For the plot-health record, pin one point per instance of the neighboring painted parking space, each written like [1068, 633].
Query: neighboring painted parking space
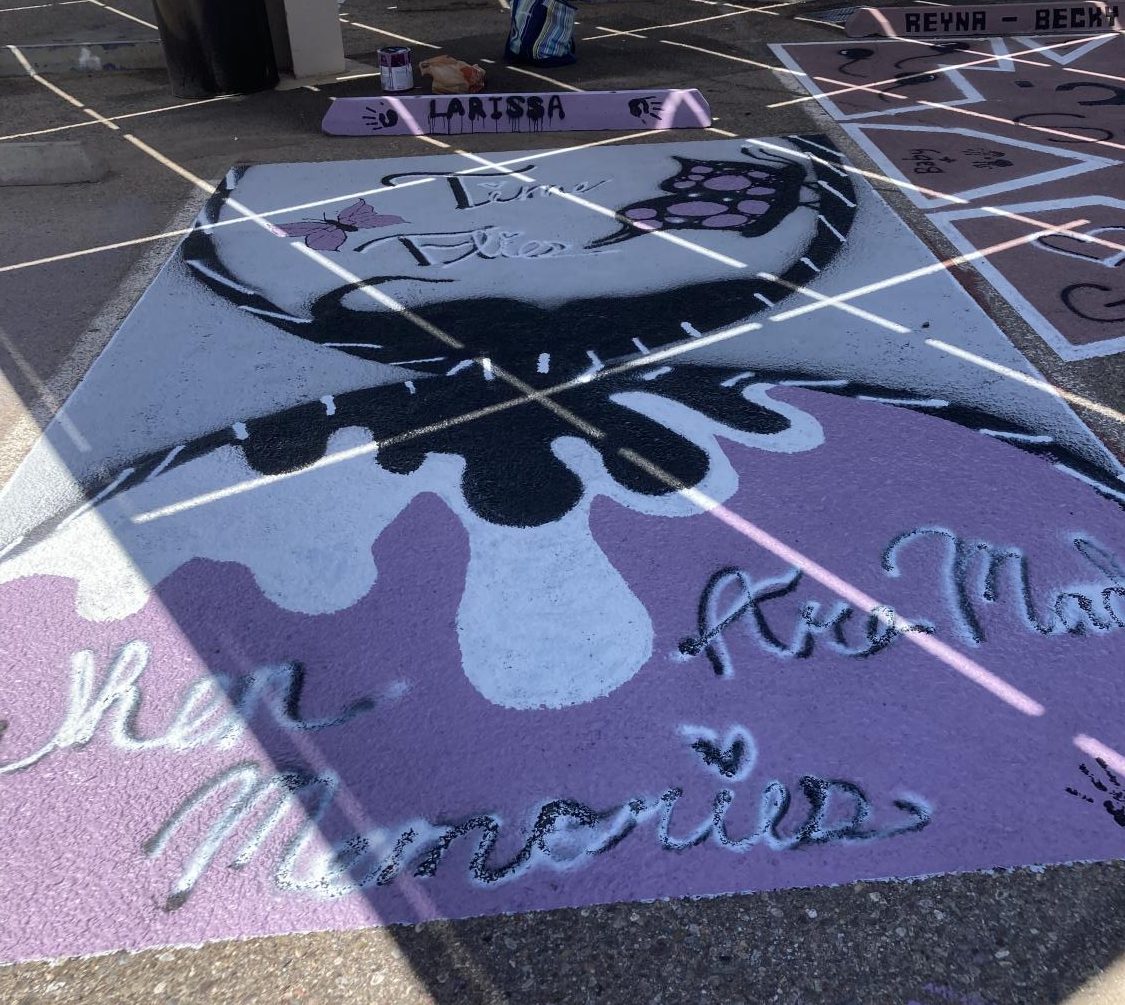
[1034, 126]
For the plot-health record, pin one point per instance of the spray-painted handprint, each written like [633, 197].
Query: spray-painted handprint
[1115, 802]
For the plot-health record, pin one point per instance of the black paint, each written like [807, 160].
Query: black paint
[422, 846]
[784, 178]
[1106, 134]
[856, 54]
[727, 762]
[1079, 299]
[491, 109]
[511, 475]
[753, 594]
[974, 571]
[1114, 803]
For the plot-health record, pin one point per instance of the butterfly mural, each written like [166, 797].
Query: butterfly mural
[511, 480]
[750, 198]
[330, 235]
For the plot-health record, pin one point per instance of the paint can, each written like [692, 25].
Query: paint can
[396, 73]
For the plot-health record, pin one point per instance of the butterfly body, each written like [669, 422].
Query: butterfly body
[330, 235]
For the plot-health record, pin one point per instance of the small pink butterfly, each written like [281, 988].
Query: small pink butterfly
[329, 235]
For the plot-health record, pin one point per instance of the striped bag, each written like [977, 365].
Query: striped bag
[542, 33]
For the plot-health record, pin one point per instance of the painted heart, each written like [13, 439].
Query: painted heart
[733, 757]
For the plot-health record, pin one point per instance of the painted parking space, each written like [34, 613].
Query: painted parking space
[977, 129]
[441, 538]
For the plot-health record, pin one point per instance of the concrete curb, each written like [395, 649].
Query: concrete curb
[82, 57]
[52, 163]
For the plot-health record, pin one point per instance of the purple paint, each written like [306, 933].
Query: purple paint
[725, 220]
[699, 208]
[896, 723]
[753, 206]
[496, 655]
[525, 112]
[329, 235]
[726, 183]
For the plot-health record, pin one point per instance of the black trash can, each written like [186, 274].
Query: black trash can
[216, 46]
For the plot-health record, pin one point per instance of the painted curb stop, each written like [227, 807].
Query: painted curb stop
[527, 112]
[82, 57]
[987, 19]
[48, 163]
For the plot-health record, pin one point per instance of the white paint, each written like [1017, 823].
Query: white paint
[736, 734]
[826, 90]
[737, 378]
[1001, 434]
[839, 303]
[1112, 493]
[916, 291]
[529, 629]
[1064, 56]
[546, 620]
[595, 365]
[90, 504]
[211, 367]
[803, 142]
[218, 277]
[1073, 162]
[310, 554]
[907, 402]
[623, 175]
[825, 223]
[813, 383]
[88, 60]
[281, 317]
[1091, 238]
[165, 375]
[213, 710]
[839, 195]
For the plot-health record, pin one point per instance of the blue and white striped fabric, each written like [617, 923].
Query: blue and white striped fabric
[542, 33]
